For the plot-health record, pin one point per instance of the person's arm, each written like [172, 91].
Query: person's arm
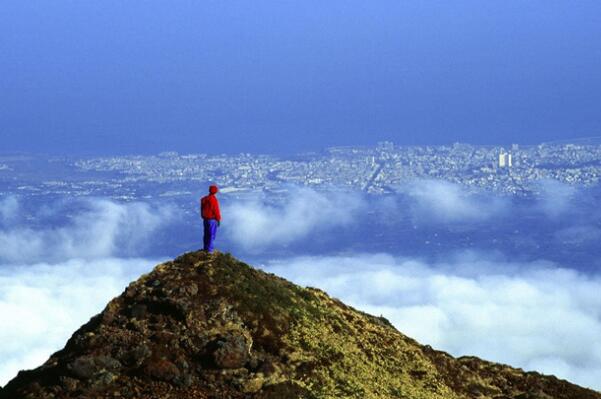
[217, 211]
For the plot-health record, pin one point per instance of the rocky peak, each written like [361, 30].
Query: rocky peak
[210, 326]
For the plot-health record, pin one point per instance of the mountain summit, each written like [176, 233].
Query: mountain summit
[210, 326]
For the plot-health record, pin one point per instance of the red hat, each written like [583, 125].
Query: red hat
[213, 189]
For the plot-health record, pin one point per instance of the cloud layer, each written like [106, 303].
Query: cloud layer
[9, 209]
[53, 279]
[532, 315]
[102, 228]
[257, 223]
[442, 201]
[556, 198]
[260, 222]
[43, 304]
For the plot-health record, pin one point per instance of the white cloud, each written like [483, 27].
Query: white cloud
[555, 198]
[579, 235]
[103, 228]
[437, 200]
[9, 209]
[52, 280]
[531, 315]
[256, 224]
[43, 304]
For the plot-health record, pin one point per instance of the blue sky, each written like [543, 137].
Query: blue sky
[116, 77]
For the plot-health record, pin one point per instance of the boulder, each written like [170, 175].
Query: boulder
[232, 351]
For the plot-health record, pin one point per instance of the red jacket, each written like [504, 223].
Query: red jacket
[209, 207]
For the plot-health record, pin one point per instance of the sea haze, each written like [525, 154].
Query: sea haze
[509, 278]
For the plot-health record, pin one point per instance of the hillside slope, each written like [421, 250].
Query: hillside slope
[210, 326]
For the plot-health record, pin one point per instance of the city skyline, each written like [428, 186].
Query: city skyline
[378, 169]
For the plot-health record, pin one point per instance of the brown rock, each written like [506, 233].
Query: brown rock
[189, 289]
[68, 383]
[137, 355]
[253, 385]
[233, 351]
[83, 367]
[138, 311]
[163, 370]
[86, 367]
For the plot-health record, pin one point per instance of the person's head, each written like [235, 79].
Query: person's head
[213, 189]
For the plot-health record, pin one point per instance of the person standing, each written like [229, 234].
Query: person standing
[211, 217]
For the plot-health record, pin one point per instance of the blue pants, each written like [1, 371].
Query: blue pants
[210, 230]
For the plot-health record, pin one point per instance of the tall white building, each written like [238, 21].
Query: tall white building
[505, 160]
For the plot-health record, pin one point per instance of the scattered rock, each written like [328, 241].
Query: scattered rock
[138, 311]
[162, 370]
[83, 367]
[268, 367]
[86, 367]
[254, 362]
[103, 379]
[184, 380]
[136, 356]
[70, 384]
[233, 351]
[189, 289]
[253, 385]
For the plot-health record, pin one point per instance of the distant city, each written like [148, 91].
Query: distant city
[378, 169]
